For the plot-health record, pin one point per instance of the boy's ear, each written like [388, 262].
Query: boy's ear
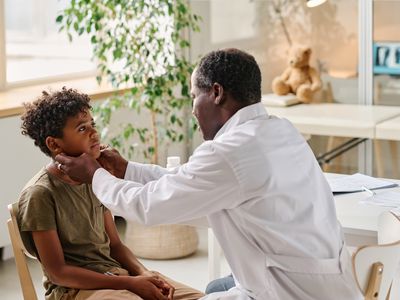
[53, 145]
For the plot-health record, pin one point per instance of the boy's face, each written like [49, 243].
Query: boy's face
[80, 136]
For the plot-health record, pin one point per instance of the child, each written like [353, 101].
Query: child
[73, 234]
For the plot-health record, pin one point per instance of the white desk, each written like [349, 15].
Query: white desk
[359, 222]
[388, 130]
[334, 119]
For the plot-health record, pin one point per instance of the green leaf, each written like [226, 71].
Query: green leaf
[130, 53]
[182, 8]
[185, 90]
[59, 19]
[117, 53]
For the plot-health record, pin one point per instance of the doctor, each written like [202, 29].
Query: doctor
[256, 180]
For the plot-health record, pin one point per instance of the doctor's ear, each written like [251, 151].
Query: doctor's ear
[53, 145]
[218, 92]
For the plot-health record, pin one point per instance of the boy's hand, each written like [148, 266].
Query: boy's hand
[148, 287]
[112, 161]
[79, 168]
[168, 289]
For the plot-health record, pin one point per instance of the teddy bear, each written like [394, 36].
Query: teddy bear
[299, 77]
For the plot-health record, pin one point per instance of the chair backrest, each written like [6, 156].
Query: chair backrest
[388, 228]
[20, 253]
[374, 269]
[389, 232]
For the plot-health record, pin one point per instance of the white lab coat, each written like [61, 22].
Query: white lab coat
[266, 199]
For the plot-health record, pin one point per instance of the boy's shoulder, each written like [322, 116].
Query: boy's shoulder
[39, 184]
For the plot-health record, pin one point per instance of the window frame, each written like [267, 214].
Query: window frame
[365, 76]
[5, 85]
[3, 59]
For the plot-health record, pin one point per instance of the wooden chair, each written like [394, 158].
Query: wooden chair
[388, 227]
[389, 232]
[374, 268]
[20, 253]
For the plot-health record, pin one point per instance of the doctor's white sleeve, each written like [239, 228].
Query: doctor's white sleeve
[144, 173]
[204, 185]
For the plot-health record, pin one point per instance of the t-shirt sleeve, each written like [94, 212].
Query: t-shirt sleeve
[105, 209]
[36, 210]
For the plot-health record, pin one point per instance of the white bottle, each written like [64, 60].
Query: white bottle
[173, 162]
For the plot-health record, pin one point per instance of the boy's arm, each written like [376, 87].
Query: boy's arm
[119, 251]
[124, 255]
[52, 258]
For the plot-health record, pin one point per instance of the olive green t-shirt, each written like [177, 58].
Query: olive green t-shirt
[47, 203]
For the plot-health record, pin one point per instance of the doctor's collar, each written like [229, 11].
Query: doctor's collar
[242, 115]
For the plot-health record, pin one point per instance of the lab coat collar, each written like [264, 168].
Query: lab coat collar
[242, 115]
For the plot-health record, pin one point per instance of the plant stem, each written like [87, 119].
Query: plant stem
[154, 159]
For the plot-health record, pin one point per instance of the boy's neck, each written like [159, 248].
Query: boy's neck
[53, 170]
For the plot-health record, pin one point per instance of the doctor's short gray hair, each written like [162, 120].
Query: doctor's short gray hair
[236, 70]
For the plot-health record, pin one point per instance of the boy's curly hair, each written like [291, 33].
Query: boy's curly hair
[48, 114]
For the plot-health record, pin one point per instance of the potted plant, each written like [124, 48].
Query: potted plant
[140, 47]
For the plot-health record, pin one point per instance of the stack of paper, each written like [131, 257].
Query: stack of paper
[387, 198]
[357, 183]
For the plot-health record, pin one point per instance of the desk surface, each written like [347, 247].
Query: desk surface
[334, 119]
[357, 218]
[389, 129]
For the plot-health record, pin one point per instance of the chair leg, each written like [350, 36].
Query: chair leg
[374, 283]
[25, 278]
[395, 157]
[380, 169]
[330, 145]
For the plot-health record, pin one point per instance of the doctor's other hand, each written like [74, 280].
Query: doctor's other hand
[112, 161]
[79, 168]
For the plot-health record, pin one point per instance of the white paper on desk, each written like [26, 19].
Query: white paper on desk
[357, 182]
[396, 211]
[387, 198]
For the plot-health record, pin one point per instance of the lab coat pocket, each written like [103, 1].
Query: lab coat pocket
[306, 265]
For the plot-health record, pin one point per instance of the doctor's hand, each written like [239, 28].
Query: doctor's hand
[79, 168]
[112, 161]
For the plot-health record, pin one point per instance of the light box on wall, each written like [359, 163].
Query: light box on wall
[387, 58]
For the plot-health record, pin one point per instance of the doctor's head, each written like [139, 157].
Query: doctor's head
[61, 122]
[223, 82]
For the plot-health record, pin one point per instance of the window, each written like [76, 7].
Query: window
[34, 49]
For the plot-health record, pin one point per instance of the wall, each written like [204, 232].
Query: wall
[19, 161]
[330, 29]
